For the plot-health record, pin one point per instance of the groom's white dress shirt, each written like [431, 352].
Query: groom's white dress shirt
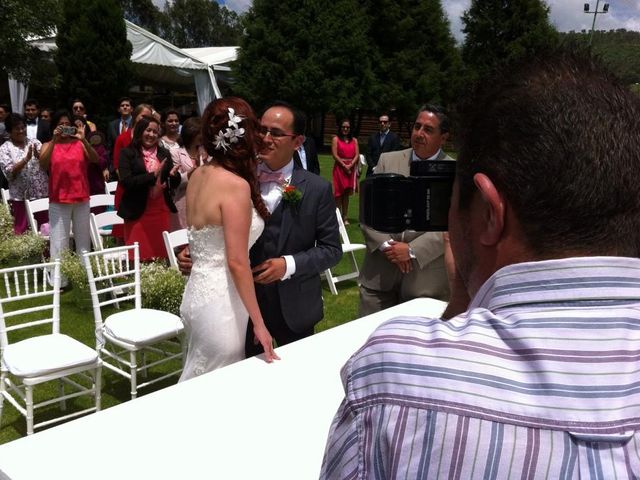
[271, 193]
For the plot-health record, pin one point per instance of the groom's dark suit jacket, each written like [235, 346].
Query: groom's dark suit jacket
[309, 232]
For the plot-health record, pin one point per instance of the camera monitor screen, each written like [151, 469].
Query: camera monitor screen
[393, 203]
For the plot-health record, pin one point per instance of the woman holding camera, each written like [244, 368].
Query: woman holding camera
[19, 163]
[67, 158]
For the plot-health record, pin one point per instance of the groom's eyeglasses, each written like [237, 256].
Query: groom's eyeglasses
[275, 133]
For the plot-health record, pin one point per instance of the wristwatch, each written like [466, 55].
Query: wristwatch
[412, 254]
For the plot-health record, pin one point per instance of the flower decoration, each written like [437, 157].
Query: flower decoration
[291, 194]
[220, 142]
[234, 119]
[224, 139]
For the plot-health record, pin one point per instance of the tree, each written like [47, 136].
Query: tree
[500, 31]
[93, 56]
[618, 48]
[317, 57]
[144, 14]
[417, 59]
[20, 21]
[200, 23]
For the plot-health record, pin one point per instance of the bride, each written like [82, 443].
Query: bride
[226, 216]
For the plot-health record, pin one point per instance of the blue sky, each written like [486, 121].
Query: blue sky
[566, 15]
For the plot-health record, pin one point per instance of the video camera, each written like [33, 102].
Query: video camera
[392, 203]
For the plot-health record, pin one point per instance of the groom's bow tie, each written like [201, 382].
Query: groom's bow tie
[266, 177]
[31, 122]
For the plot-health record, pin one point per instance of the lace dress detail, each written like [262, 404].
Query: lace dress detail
[214, 316]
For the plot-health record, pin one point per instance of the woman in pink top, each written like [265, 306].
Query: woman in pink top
[67, 158]
[189, 156]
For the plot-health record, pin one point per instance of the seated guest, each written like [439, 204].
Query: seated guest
[186, 158]
[147, 174]
[67, 157]
[537, 375]
[19, 163]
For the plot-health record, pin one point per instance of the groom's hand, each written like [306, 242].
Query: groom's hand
[184, 261]
[270, 270]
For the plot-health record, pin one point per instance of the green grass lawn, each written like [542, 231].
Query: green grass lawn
[77, 322]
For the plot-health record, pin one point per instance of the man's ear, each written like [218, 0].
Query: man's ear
[297, 141]
[492, 210]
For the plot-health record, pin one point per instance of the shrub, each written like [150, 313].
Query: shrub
[162, 287]
[18, 249]
[72, 267]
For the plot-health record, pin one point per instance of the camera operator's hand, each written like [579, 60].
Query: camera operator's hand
[398, 252]
[79, 130]
[57, 133]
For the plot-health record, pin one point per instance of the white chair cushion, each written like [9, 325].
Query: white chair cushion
[46, 354]
[141, 327]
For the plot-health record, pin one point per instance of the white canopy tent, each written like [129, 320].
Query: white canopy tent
[157, 59]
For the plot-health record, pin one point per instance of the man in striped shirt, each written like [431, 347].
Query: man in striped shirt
[538, 375]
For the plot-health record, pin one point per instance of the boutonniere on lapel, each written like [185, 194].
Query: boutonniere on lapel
[291, 194]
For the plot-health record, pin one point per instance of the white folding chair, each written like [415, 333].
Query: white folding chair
[124, 334]
[173, 240]
[110, 187]
[347, 248]
[6, 196]
[29, 305]
[33, 207]
[100, 225]
[101, 200]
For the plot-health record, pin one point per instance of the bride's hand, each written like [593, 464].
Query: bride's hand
[263, 336]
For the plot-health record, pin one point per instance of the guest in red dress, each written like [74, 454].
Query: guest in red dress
[345, 151]
[123, 141]
[147, 176]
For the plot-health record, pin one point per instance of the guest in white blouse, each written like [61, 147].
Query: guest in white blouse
[19, 163]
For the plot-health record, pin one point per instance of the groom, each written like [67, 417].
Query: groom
[300, 239]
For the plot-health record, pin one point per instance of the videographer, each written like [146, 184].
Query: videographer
[407, 265]
[538, 375]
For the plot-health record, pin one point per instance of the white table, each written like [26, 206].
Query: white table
[248, 420]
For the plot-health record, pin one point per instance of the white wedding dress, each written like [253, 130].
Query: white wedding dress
[214, 317]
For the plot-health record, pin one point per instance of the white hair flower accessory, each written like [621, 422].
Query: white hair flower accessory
[234, 119]
[220, 142]
[233, 132]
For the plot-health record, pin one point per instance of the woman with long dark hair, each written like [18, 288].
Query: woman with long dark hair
[345, 151]
[226, 214]
[147, 176]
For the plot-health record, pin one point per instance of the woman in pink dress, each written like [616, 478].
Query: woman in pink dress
[345, 151]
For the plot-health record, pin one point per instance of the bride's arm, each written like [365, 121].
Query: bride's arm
[236, 209]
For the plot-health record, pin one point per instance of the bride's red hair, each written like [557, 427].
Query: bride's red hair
[240, 157]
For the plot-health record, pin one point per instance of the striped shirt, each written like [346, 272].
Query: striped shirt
[540, 378]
